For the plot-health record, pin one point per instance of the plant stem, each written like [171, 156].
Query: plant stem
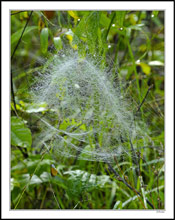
[135, 72]
[139, 107]
[11, 80]
[128, 185]
[17, 12]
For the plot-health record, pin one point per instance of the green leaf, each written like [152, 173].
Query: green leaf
[44, 39]
[120, 16]
[57, 43]
[20, 134]
[87, 179]
[15, 36]
[104, 20]
[154, 13]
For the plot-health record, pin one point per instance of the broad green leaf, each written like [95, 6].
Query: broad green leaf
[20, 134]
[15, 36]
[80, 181]
[88, 179]
[35, 180]
[24, 179]
[44, 39]
[58, 43]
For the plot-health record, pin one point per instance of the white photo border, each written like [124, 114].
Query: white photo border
[168, 7]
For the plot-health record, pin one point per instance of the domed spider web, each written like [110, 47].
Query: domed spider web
[91, 118]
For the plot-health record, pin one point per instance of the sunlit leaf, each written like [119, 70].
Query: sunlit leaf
[145, 68]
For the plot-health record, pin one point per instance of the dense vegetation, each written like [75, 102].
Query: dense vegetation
[87, 109]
